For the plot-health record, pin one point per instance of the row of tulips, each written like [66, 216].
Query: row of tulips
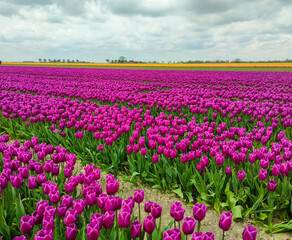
[55, 204]
[225, 140]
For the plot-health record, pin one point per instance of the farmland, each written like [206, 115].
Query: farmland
[217, 139]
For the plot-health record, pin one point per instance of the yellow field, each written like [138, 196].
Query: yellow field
[171, 65]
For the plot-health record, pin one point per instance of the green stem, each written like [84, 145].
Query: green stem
[199, 226]
[223, 235]
[139, 212]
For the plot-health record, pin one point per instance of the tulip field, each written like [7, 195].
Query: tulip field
[217, 139]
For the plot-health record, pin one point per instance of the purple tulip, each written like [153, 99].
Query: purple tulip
[92, 231]
[249, 233]
[78, 206]
[272, 185]
[23, 171]
[188, 225]
[263, 174]
[124, 220]
[225, 221]
[41, 178]
[67, 200]
[70, 217]
[32, 182]
[26, 224]
[148, 206]
[91, 198]
[97, 218]
[228, 171]
[199, 211]
[156, 210]
[149, 224]
[48, 223]
[172, 234]
[71, 232]
[139, 196]
[20, 238]
[198, 236]
[61, 210]
[143, 151]
[16, 180]
[178, 213]
[112, 187]
[241, 175]
[108, 219]
[136, 229]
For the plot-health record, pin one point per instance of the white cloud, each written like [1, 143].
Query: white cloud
[164, 30]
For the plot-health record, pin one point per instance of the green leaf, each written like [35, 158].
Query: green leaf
[237, 212]
[156, 186]
[4, 229]
[134, 174]
[168, 226]
[20, 212]
[179, 192]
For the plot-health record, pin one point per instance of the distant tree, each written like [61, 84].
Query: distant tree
[122, 59]
[107, 60]
[237, 60]
[59, 60]
[112, 61]
[49, 60]
[73, 61]
[64, 60]
[40, 60]
[77, 60]
[68, 60]
[44, 60]
[116, 60]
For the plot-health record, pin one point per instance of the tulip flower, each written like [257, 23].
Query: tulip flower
[249, 233]
[108, 219]
[199, 213]
[272, 185]
[149, 224]
[26, 224]
[92, 231]
[70, 217]
[188, 225]
[263, 174]
[16, 180]
[241, 175]
[124, 219]
[225, 221]
[136, 229]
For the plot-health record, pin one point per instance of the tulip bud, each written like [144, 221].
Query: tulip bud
[199, 211]
[26, 224]
[188, 225]
[272, 185]
[92, 231]
[139, 196]
[136, 229]
[249, 233]
[124, 220]
[149, 224]
[108, 219]
[156, 210]
[225, 221]
[71, 232]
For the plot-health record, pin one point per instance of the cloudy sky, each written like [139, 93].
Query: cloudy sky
[148, 30]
